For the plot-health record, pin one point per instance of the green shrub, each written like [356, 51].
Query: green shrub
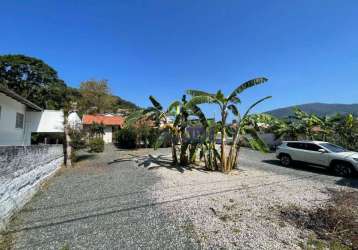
[77, 139]
[127, 138]
[153, 137]
[96, 145]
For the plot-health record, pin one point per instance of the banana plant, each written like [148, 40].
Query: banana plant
[162, 117]
[179, 112]
[208, 151]
[226, 105]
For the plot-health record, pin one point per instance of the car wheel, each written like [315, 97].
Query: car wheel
[285, 160]
[342, 169]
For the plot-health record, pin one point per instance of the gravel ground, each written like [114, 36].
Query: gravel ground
[129, 200]
[104, 202]
[240, 210]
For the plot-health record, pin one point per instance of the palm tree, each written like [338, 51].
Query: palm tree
[227, 104]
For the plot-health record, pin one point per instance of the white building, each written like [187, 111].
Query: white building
[111, 123]
[19, 118]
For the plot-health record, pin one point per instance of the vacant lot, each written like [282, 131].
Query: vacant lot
[127, 199]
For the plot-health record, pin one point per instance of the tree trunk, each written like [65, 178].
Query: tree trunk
[223, 137]
[174, 151]
[68, 148]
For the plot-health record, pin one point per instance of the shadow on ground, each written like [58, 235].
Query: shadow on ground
[151, 162]
[348, 182]
[84, 157]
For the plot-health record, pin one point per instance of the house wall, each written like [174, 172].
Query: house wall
[107, 137]
[22, 170]
[9, 135]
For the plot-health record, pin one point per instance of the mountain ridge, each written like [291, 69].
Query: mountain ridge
[317, 108]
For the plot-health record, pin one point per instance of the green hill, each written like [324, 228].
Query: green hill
[320, 109]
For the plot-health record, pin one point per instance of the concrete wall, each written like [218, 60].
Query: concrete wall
[9, 135]
[22, 170]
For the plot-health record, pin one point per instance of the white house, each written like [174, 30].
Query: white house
[111, 123]
[19, 118]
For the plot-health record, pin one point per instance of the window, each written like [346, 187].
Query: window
[19, 120]
[297, 145]
[312, 147]
[334, 148]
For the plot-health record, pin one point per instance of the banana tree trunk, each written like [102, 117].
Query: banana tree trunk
[174, 153]
[236, 157]
[174, 149]
[183, 154]
[223, 142]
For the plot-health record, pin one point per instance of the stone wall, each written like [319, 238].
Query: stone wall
[22, 169]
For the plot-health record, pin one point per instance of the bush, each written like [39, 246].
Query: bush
[77, 139]
[148, 136]
[153, 137]
[96, 145]
[127, 138]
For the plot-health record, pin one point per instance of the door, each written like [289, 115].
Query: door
[313, 155]
[298, 151]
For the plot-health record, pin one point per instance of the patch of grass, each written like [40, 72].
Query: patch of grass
[189, 229]
[236, 230]
[315, 244]
[65, 247]
[335, 223]
[225, 217]
[6, 241]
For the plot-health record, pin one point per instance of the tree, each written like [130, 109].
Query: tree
[162, 116]
[96, 97]
[179, 113]
[227, 104]
[33, 79]
[347, 130]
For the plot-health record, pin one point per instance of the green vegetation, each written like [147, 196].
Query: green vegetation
[320, 109]
[33, 79]
[127, 138]
[174, 122]
[77, 142]
[337, 129]
[96, 145]
[38, 82]
[334, 224]
[228, 104]
[96, 97]
[6, 241]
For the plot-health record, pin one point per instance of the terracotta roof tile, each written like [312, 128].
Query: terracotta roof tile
[103, 119]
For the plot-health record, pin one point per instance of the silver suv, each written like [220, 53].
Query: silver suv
[342, 161]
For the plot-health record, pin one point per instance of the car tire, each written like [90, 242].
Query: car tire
[285, 160]
[342, 169]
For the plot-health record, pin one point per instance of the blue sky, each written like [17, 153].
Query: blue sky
[307, 48]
